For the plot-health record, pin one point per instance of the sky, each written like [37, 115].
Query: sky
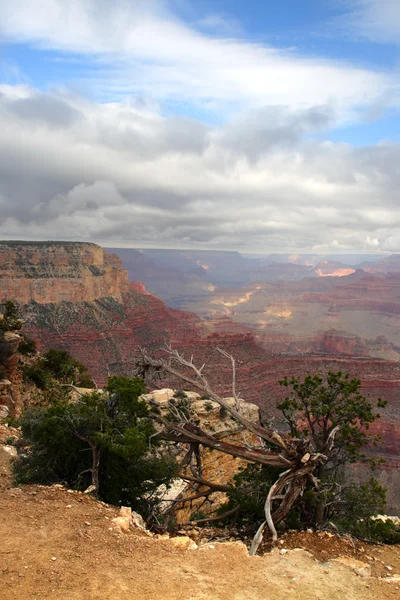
[211, 124]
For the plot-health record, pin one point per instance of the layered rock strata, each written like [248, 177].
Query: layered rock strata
[77, 297]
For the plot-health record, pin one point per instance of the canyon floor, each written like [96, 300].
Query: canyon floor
[60, 545]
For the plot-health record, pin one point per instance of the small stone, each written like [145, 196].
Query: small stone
[184, 543]
[87, 523]
[10, 450]
[283, 551]
[54, 558]
[122, 523]
[69, 506]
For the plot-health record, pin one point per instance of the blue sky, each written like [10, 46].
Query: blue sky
[312, 29]
[180, 109]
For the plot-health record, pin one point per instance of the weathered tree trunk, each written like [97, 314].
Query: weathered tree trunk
[296, 455]
[96, 453]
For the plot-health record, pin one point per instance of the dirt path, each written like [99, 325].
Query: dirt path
[57, 545]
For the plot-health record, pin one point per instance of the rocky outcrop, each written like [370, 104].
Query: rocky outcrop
[10, 386]
[76, 296]
[218, 468]
[51, 272]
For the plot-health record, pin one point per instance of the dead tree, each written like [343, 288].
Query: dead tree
[296, 456]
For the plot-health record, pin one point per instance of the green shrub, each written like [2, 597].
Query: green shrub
[223, 413]
[64, 368]
[11, 320]
[248, 492]
[105, 439]
[37, 375]
[383, 531]
[180, 394]
[27, 346]
[57, 366]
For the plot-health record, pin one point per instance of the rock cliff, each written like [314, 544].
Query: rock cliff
[77, 297]
[46, 272]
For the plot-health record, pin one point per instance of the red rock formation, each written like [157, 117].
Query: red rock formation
[77, 297]
[56, 272]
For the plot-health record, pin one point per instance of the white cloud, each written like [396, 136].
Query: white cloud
[142, 48]
[121, 174]
[376, 20]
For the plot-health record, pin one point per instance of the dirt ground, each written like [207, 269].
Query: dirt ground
[56, 544]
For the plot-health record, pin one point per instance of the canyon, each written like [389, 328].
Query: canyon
[78, 296]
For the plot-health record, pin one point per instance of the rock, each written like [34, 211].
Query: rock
[125, 511]
[183, 543]
[392, 579]
[4, 410]
[171, 492]
[127, 519]
[11, 450]
[123, 521]
[360, 568]
[122, 524]
[159, 395]
[90, 489]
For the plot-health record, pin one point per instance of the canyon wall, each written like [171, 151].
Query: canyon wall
[77, 297]
[46, 272]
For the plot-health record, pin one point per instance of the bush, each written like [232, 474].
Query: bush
[37, 375]
[318, 408]
[105, 440]
[248, 492]
[57, 366]
[10, 320]
[27, 346]
[181, 394]
[383, 531]
[3, 372]
[64, 368]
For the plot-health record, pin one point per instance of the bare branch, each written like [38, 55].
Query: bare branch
[231, 358]
[202, 383]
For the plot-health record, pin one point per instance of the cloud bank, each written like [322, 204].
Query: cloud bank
[122, 174]
[132, 171]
